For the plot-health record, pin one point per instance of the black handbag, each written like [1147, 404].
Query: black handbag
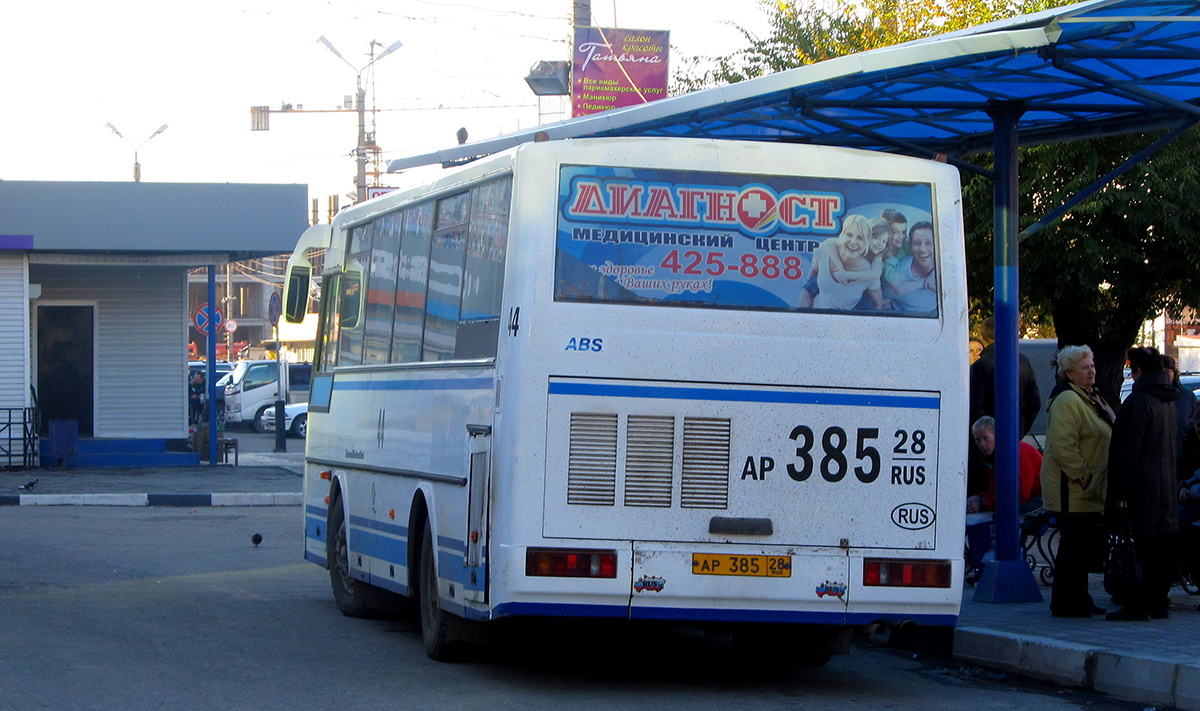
[1122, 570]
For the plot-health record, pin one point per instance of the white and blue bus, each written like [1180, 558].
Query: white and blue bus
[646, 379]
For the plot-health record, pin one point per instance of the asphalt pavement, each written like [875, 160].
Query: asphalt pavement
[1156, 662]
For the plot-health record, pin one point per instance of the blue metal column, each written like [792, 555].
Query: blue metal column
[212, 364]
[1008, 578]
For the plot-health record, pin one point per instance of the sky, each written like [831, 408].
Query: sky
[71, 67]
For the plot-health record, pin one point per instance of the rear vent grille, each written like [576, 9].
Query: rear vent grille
[592, 467]
[705, 463]
[649, 459]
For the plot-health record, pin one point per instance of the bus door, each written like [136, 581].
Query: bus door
[477, 495]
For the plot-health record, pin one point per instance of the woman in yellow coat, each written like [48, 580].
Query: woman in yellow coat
[1075, 478]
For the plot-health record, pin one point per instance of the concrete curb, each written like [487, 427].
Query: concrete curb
[1126, 675]
[293, 498]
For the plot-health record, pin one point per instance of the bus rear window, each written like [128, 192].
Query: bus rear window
[733, 241]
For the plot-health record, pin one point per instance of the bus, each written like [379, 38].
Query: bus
[672, 379]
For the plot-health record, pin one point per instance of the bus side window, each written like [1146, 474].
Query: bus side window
[378, 301]
[483, 283]
[353, 285]
[411, 282]
[443, 298]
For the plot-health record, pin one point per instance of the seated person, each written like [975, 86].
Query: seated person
[1030, 488]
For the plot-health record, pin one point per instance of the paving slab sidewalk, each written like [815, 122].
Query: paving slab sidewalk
[1155, 662]
[258, 480]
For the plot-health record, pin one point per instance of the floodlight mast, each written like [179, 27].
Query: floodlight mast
[360, 152]
[137, 167]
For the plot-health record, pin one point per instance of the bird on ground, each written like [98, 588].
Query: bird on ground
[256, 539]
[28, 486]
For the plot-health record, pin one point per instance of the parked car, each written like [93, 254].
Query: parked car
[199, 366]
[1191, 381]
[253, 388]
[295, 419]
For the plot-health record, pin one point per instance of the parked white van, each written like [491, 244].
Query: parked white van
[254, 386]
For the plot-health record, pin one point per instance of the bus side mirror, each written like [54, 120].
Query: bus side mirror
[295, 297]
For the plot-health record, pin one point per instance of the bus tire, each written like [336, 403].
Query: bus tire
[436, 623]
[347, 592]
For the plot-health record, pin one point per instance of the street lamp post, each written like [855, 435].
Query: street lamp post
[360, 98]
[137, 167]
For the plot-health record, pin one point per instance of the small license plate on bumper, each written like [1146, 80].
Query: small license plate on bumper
[757, 566]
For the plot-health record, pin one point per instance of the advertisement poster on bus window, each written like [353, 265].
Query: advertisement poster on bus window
[756, 242]
[613, 68]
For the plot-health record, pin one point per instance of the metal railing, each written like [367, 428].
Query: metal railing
[18, 437]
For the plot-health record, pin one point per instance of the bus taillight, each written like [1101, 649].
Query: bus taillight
[563, 563]
[906, 573]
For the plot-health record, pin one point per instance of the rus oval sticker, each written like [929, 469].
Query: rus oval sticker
[913, 516]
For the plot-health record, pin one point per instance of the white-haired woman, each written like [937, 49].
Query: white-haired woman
[1075, 478]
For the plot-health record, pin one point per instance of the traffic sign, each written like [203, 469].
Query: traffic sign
[230, 325]
[274, 308]
[200, 318]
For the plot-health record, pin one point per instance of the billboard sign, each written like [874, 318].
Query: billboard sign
[733, 241]
[613, 68]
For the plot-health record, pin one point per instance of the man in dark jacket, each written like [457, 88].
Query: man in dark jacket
[1142, 482]
[983, 401]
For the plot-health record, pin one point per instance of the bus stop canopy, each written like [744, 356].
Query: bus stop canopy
[1092, 69]
[1099, 68]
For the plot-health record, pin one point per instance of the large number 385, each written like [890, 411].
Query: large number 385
[834, 464]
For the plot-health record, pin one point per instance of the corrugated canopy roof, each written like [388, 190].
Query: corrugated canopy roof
[1091, 69]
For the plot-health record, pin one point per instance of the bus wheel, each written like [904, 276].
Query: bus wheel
[435, 622]
[347, 592]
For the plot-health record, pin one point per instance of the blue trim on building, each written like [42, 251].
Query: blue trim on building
[742, 395]
[179, 499]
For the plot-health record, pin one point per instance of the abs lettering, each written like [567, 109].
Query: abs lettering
[585, 344]
[571, 345]
[597, 344]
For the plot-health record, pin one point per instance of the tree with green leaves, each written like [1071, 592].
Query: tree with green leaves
[1120, 257]
[1123, 255]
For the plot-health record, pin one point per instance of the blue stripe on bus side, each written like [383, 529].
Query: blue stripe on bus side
[732, 395]
[317, 511]
[315, 559]
[718, 615]
[369, 541]
[452, 543]
[314, 528]
[546, 609]
[866, 618]
[439, 384]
